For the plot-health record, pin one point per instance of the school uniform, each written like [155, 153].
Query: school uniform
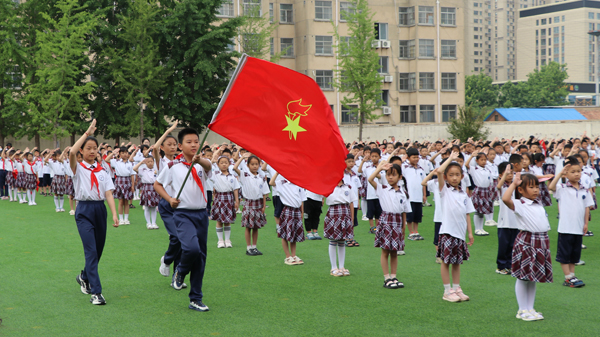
[531, 259]
[338, 220]
[353, 180]
[223, 209]
[277, 205]
[433, 187]
[573, 203]
[59, 182]
[549, 167]
[148, 195]
[559, 162]
[91, 183]
[173, 252]
[190, 219]
[390, 230]
[414, 176]
[290, 221]
[482, 196]
[255, 188]
[313, 207]
[123, 172]
[465, 183]
[31, 178]
[544, 196]
[456, 207]
[507, 232]
[11, 176]
[494, 170]
[3, 173]
[69, 190]
[45, 174]
[20, 180]
[588, 179]
[373, 205]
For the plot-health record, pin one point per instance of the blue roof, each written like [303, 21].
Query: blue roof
[548, 114]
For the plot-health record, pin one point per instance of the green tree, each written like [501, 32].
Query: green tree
[547, 85]
[255, 31]
[358, 72]
[468, 123]
[479, 91]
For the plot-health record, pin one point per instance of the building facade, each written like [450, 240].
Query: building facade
[420, 45]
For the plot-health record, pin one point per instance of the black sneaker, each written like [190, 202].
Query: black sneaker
[131, 206]
[85, 285]
[97, 299]
[588, 234]
[250, 252]
[198, 306]
[257, 252]
[177, 280]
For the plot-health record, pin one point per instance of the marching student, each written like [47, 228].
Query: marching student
[189, 215]
[31, 179]
[507, 223]
[574, 200]
[531, 262]
[433, 187]
[256, 190]
[390, 232]
[123, 184]
[92, 187]
[148, 196]
[290, 228]
[339, 226]
[417, 193]
[482, 196]
[59, 182]
[226, 201]
[352, 179]
[456, 207]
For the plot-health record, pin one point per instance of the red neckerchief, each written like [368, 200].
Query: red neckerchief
[196, 178]
[178, 156]
[30, 165]
[93, 176]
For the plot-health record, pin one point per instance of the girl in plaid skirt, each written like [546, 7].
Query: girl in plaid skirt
[69, 178]
[531, 262]
[225, 202]
[536, 169]
[390, 229]
[31, 177]
[59, 183]
[123, 183]
[148, 195]
[20, 179]
[256, 190]
[483, 193]
[339, 225]
[290, 228]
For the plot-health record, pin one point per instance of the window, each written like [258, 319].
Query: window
[231, 45]
[448, 81]
[427, 113]
[385, 94]
[323, 10]
[272, 42]
[543, 21]
[562, 19]
[346, 8]
[562, 29]
[537, 22]
[381, 31]
[448, 16]
[287, 47]
[408, 114]
[252, 8]
[448, 48]
[425, 48]
[426, 15]
[406, 81]
[226, 8]
[324, 79]
[323, 45]
[591, 16]
[383, 64]
[286, 13]
[407, 16]
[407, 49]
[271, 12]
[426, 81]
[448, 112]
[347, 116]
[475, 37]
[556, 19]
[590, 26]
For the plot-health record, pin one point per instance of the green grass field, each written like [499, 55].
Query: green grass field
[261, 296]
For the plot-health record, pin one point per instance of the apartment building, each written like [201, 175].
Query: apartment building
[420, 46]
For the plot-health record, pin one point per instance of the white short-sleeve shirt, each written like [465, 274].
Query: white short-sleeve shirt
[456, 205]
[82, 183]
[393, 201]
[354, 182]
[122, 168]
[148, 175]
[414, 176]
[572, 203]
[367, 171]
[433, 187]
[291, 195]
[531, 215]
[482, 176]
[191, 197]
[341, 195]
[506, 216]
[255, 186]
[314, 196]
[224, 182]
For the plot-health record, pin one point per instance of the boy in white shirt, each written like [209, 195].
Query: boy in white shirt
[414, 175]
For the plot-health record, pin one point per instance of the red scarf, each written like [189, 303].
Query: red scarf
[30, 166]
[196, 178]
[179, 156]
[93, 176]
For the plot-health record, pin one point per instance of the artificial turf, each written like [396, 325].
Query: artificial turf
[261, 296]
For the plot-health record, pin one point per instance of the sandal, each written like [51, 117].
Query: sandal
[349, 243]
[346, 272]
[356, 244]
[398, 283]
[336, 273]
[389, 284]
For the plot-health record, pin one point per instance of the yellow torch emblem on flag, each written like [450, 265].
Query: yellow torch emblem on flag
[295, 110]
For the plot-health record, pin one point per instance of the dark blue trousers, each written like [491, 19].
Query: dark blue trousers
[506, 241]
[173, 253]
[192, 230]
[91, 223]
[3, 186]
[208, 201]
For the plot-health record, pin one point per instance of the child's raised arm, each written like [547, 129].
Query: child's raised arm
[384, 165]
[78, 144]
[428, 178]
[507, 197]
[552, 186]
[272, 181]
[156, 149]
[469, 160]
[442, 169]
[137, 166]
[362, 162]
[238, 162]
[507, 171]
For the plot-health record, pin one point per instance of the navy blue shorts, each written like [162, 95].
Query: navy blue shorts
[277, 205]
[373, 209]
[569, 248]
[417, 212]
[46, 180]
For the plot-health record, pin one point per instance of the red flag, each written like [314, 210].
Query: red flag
[283, 117]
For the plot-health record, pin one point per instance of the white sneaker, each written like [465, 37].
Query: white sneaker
[121, 222]
[228, 244]
[364, 218]
[71, 212]
[126, 222]
[149, 226]
[496, 203]
[164, 268]
[238, 211]
[62, 210]
[484, 232]
[289, 261]
[33, 204]
[154, 226]
[58, 210]
[490, 223]
[297, 260]
[401, 252]
[221, 244]
[580, 263]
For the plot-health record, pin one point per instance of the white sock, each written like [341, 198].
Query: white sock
[447, 287]
[33, 193]
[332, 254]
[531, 288]
[10, 194]
[248, 247]
[341, 253]
[478, 222]
[61, 201]
[253, 246]
[227, 231]
[147, 215]
[220, 233]
[29, 196]
[121, 217]
[152, 215]
[521, 289]
[489, 217]
[20, 196]
[455, 285]
[363, 207]
[126, 216]
[56, 202]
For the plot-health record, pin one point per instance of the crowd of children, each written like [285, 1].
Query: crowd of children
[388, 182]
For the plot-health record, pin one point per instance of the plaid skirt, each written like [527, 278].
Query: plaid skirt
[138, 182]
[483, 200]
[123, 188]
[148, 196]
[290, 225]
[544, 197]
[252, 215]
[550, 169]
[30, 181]
[452, 250]
[223, 208]
[10, 180]
[69, 190]
[20, 181]
[338, 223]
[390, 232]
[59, 185]
[531, 259]
[495, 193]
[362, 189]
[592, 208]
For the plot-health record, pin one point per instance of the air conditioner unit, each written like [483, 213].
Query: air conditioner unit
[376, 44]
[387, 110]
[385, 44]
[388, 79]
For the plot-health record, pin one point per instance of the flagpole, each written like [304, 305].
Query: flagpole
[192, 165]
